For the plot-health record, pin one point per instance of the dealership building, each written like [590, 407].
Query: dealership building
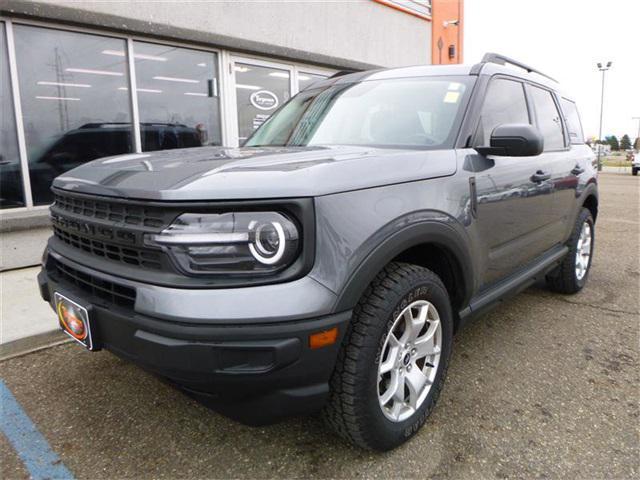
[81, 80]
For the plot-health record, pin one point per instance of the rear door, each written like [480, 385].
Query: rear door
[514, 205]
[562, 159]
[577, 165]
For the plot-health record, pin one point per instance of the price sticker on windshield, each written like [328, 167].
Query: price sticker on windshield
[451, 97]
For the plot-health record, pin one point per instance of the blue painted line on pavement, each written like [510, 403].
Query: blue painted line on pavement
[32, 448]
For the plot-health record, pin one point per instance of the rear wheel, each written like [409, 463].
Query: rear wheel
[571, 275]
[394, 358]
[634, 171]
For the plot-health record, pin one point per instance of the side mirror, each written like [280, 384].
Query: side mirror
[514, 140]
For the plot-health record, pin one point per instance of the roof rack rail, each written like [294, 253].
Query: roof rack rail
[504, 60]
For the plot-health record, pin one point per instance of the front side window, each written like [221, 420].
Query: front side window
[574, 125]
[418, 112]
[178, 97]
[504, 103]
[11, 191]
[75, 101]
[548, 117]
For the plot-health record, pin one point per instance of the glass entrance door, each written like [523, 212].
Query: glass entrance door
[260, 90]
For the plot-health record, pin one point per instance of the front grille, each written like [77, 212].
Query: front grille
[111, 229]
[111, 292]
[111, 251]
[116, 212]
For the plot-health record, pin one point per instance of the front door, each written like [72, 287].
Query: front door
[514, 193]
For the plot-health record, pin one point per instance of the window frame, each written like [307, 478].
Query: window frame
[226, 86]
[566, 120]
[474, 136]
[554, 97]
[18, 117]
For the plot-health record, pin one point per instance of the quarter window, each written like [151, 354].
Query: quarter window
[548, 117]
[504, 103]
[574, 125]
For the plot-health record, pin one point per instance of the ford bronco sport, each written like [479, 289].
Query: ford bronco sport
[326, 264]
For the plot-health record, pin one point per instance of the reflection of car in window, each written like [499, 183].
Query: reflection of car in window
[97, 140]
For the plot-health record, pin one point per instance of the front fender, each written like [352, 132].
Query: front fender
[400, 235]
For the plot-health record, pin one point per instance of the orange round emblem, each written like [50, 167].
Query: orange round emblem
[71, 322]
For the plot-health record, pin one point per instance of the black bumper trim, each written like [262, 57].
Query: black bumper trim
[253, 373]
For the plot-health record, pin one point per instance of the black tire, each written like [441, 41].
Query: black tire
[634, 171]
[353, 410]
[564, 279]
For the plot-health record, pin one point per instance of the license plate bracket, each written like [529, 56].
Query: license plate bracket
[74, 320]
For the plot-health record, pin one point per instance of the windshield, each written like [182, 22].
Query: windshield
[403, 112]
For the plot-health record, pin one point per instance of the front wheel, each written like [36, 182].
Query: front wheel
[571, 275]
[393, 360]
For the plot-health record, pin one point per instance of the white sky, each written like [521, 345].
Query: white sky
[565, 39]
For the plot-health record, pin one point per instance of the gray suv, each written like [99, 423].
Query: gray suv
[326, 264]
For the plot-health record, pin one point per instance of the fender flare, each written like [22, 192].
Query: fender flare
[591, 189]
[444, 235]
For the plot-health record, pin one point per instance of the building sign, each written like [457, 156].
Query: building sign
[264, 100]
[258, 120]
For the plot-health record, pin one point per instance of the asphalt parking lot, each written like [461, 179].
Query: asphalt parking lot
[545, 386]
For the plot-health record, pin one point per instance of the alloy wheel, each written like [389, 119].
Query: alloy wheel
[409, 360]
[583, 251]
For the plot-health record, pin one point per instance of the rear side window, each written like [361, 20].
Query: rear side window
[574, 125]
[548, 119]
[504, 103]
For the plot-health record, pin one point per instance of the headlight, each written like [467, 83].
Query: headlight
[230, 243]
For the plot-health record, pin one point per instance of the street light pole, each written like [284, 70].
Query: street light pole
[637, 136]
[603, 70]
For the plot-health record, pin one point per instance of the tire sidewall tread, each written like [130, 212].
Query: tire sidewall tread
[563, 279]
[353, 410]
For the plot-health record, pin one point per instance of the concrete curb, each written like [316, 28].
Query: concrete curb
[33, 343]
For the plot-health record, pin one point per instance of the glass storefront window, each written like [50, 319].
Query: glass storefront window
[11, 191]
[259, 92]
[305, 80]
[178, 97]
[75, 103]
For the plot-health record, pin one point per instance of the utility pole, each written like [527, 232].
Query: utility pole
[603, 70]
[637, 136]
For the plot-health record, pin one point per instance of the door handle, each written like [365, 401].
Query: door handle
[577, 170]
[540, 176]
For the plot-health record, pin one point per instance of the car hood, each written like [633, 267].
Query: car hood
[216, 173]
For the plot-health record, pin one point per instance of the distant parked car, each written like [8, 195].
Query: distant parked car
[635, 163]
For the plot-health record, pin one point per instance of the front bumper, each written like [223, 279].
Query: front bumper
[255, 373]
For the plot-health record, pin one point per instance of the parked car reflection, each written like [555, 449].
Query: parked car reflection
[97, 140]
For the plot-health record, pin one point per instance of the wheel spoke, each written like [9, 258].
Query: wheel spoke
[418, 321]
[395, 410]
[396, 383]
[426, 345]
[416, 382]
[392, 354]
